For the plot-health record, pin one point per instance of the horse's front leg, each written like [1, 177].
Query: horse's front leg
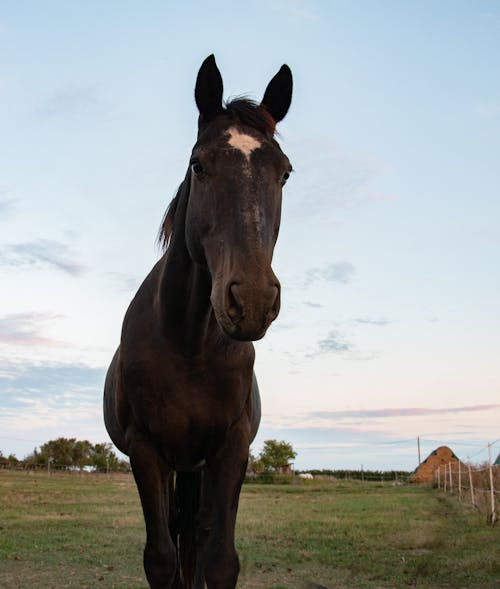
[227, 472]
[151, 477]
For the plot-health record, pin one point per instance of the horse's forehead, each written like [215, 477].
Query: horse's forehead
[242, 141]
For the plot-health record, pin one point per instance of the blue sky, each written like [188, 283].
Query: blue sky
[390, 244]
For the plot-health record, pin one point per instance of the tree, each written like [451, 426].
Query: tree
[61, 451]
[254, 465]
[275, 455]
[103, 459]
[13, 461]
[81, 453]
[35, 459]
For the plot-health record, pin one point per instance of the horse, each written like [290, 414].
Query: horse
[180, 397]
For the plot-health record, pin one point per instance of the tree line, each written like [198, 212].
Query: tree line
[73, 454]
[69, 454]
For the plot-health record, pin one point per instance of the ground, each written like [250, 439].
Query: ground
[86, 531]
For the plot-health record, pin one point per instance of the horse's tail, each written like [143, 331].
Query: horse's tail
[187, 507]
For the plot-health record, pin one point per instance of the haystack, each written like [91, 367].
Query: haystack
[425, 472]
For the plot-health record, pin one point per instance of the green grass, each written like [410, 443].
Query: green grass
[69, 531]
[86, 530]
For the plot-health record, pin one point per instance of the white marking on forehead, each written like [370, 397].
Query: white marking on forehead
[245, 143]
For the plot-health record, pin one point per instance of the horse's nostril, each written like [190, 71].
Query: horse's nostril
[275, 307]
[234, 306]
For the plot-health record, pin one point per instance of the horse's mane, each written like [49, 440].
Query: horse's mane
[249, 113]
[252, 113]
[167, 223]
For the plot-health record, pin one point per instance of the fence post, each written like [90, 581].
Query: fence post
[471, 487]
[459, 481]
[492, 487]
[451, 479]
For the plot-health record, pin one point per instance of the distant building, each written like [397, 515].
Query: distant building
[285, 469]
[425, 472]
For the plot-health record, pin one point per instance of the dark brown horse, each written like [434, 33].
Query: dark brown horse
[180, 396]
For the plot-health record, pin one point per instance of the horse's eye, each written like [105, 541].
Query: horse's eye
[196, 167]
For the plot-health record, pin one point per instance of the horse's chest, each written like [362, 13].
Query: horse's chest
[191, 413]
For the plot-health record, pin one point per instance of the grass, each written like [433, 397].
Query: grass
[86, 531]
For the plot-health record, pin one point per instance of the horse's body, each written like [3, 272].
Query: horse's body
[180, 396]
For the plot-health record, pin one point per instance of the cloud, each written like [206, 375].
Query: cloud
[42, 401]
[69, 100]
[355, 420]
[24, 329]
[488, 110]
[45, 401]
[21, 383]
[330, 180]
[313, 305]
[36, 396]
[41, 252]
[383, 197]
[399, 412]
[339, 272]
[375, 322]
[6, 205]
[333, 343]
[124, 282]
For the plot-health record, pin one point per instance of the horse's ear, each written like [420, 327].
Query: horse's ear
[208, 90]
[278, 94]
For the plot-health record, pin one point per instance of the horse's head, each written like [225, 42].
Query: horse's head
[237, 172]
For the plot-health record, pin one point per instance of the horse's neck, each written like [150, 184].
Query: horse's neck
[184, 298]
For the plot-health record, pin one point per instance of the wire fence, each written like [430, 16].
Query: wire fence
[477, 485]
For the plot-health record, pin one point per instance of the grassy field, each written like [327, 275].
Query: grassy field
[86, 531]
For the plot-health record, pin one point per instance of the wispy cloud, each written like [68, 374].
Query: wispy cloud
[124, 282]
[70, 99]
[25, 329]
[334, 342]
[375, 322]
[330, 179]
[6, 204]
[400, 412]
[365, 420]
[41, 252]
[313, 305]
[340, 272]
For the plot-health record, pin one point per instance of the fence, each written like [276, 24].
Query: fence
[477, 485]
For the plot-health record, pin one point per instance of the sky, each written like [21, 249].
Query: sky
[389, 248]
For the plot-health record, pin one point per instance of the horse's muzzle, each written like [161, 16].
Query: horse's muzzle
[249, 308]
